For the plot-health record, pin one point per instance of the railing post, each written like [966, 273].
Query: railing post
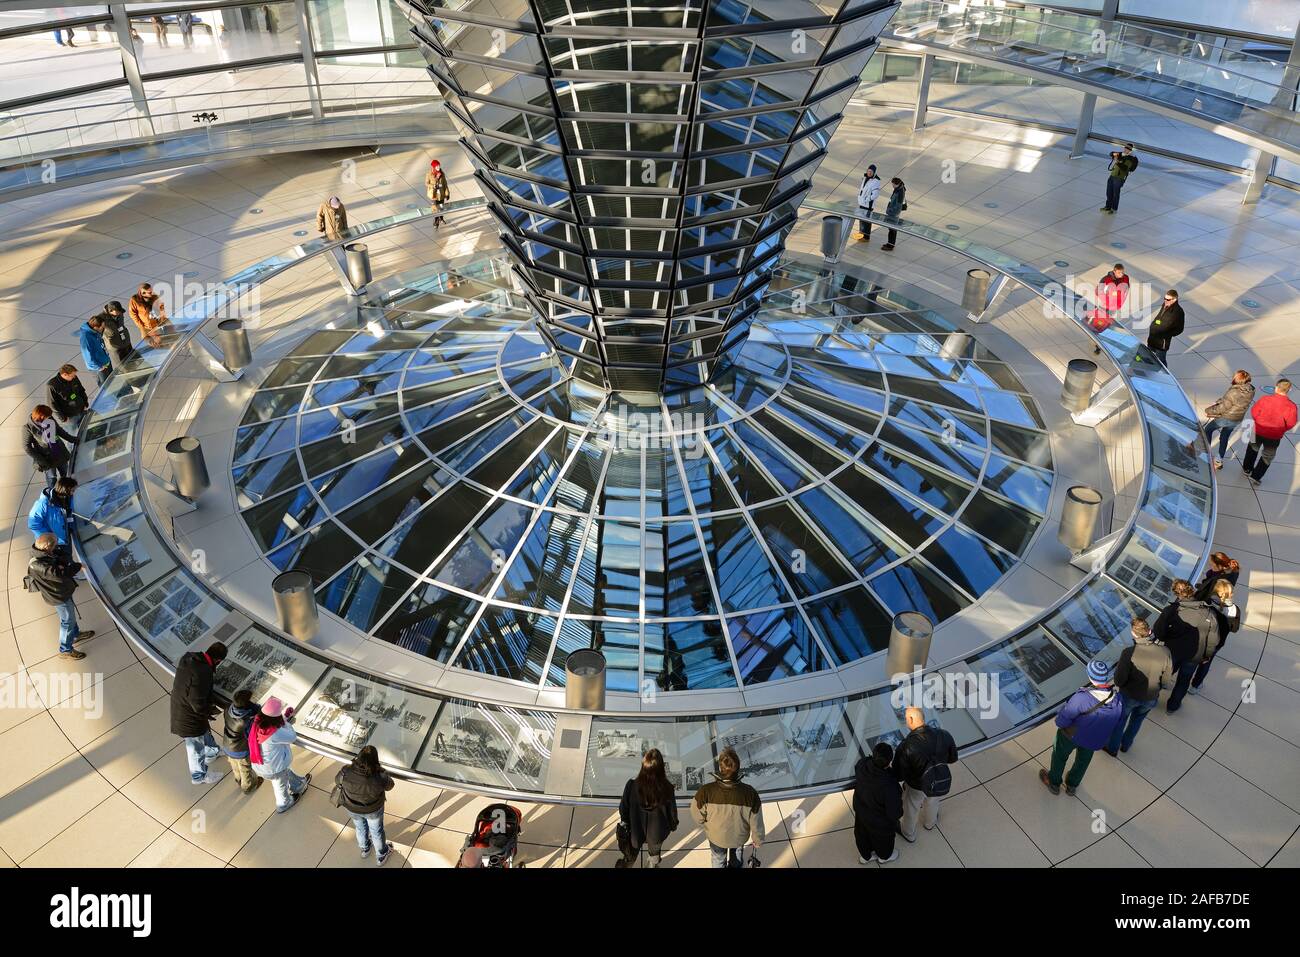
[923, 92]
[130, 63]
[309, 59]
[1084, 128]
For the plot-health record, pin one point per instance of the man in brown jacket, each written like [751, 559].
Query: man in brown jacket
[1226, 414]
[730, 812]
[332, 218]
[435, 185]
[149, 312]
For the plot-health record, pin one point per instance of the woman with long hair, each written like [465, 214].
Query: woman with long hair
[1226, 414]
[360, 789]
[1228, 616]
[1219, 567]
[648, 812]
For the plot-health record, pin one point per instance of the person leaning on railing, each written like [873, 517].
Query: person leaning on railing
[149, 312]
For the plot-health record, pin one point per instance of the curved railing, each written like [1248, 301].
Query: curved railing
[162, 602]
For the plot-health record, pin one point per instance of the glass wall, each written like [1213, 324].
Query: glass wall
[1269, 18]
[211, 36]
[352, 24]
[47, 62]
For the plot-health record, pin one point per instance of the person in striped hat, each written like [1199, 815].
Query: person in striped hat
[1083, 726]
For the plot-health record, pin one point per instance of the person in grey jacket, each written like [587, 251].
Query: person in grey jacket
[1143, 669]
[1226, 414]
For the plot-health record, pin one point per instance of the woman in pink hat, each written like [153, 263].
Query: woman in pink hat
[270, 751]
[435, 184]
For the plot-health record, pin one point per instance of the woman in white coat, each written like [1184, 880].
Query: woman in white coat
[270, 751]
[867, 194]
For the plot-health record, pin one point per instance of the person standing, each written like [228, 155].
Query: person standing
[1143, 670]
[160, 30]
[1273, 417]
[234, 740]
[1083, 725]
[1111, 292]
[877, 807]
[52, 511]
[1165, 325]
[647, 813]
[1122, 163]
[148, 312]
[1226, 414]
[52, 572]
[921, 764]
[270, 750]
[67, 396]
[332, 218]
[186, 21]
[362, 786]
[1188, 628]
[435, 185]
[897, 206]
[117, 337]
[1228, 616]
[90, 336]
[43, 442]
[192, 707]
[730, 813]
[868, 193]
[1220, 566]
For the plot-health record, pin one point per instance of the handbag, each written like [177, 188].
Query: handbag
[1069, 732]
[336, 795]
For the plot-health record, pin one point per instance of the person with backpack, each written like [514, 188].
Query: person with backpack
[361, 789]
[90, 336]
[897, 206]
[1190, 630]
[1273, 417]
[234, 740]
[52, 511]
[193, 706]
[921, 763]
[730, 812]
[647, 814]
[1228, 616]
[1144, 669]
[1083, 726]
[877, 806]
[43, 440]
[1220, 566]
[868, 193]
[67, 396]
[270, 751]
[52, 573]
[1226, 414]
[1121, 165]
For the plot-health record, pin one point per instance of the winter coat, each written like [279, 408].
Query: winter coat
[1143, 669]
[140, 309]
[896, 201]
[330, 221]
[1091, 728]
[234, 730]
[877, 797]
[1188, 629]
[1234, 404]
[277, 752]
[49, 514]
[363, 793]
[46, 456]
[730, 813]
[1205, 588]
[1166, 324]
[917, 749]
[1122, 166]
[117, 336]
[1229, 620]
[646, 825]
[868, 193]
[53, 573]
[435, 185]
[93, 352]
[191, 701]
[1274, 416]
[67, 397]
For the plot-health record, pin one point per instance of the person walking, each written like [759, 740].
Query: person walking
[1189, 629]
[897, 206]
[1122, 163]
[1228, 616]
[362, 786]
[1144, 669]
[332, 218]
[1273, 417]
[117, 337]
[148, 312]
[877, 806]
[67, 396]
[1083, 725]
[192, 707]
[1220, 567]
[51, 513]
[43, 442]
[1226, 414]
[90, 336]
[647, 813]
[868, 193]
[234, 740]
[730, 813]
[435, 186]
[921, 764]
[52, 572]
[270, 750]
[1165, 325]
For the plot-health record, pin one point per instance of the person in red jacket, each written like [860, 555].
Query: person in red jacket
[1274, 416]
[1111, 293]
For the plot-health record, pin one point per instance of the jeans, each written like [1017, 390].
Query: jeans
[917, 805]
[1130, 722]
[68, 630]
[893, 235]
[103, 374]
[725, 856]
[1060, 754]
[864, 225]
[199, 750]
[286, 785]
[872, 840]
[1225, 429]
[1264, 449]
[1113, 185]
[370, 831]
[1185, 672]
[1162, 355]
[1202, 670]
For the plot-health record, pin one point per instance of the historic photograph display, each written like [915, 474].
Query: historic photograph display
[267, 666]
[1172, 498]
[760, 742]
[477, 744]
[1098, 620]
[109, 500]
[174, 613]
[349, 712]
[615, 747]
[875, 718]
[106, 440]
[1148, 565]
[123, 560]
[1030, 673]
[819, 743]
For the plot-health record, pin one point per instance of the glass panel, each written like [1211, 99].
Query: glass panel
[349, 712]
[616, 745]
[201, 36]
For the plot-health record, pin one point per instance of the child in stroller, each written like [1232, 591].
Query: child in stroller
[495, 838]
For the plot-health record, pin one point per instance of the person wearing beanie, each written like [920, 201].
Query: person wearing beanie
[435, 186]
[234, 740]
[877, 807]
[270, 752]
[868, 193]
[192, 707]
[1083, 725]
[1143, 670]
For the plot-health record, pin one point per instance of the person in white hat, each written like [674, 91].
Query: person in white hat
[270, 751]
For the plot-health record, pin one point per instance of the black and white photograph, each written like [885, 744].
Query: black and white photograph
[504, 747]
[267, 666]
[350, 712]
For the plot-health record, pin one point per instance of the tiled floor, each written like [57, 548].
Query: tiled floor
[1219, 783]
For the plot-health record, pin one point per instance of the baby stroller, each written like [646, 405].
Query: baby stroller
[495, 838]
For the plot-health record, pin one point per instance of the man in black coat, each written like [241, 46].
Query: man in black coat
[192, 707]
[1190, 630]
[67, 396]
[1165, 324]
[877, 807]
[923, 745]
[52, 573]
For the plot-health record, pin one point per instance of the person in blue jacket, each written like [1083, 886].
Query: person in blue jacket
[91, 336]
[53, 510]
[1084, 725]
